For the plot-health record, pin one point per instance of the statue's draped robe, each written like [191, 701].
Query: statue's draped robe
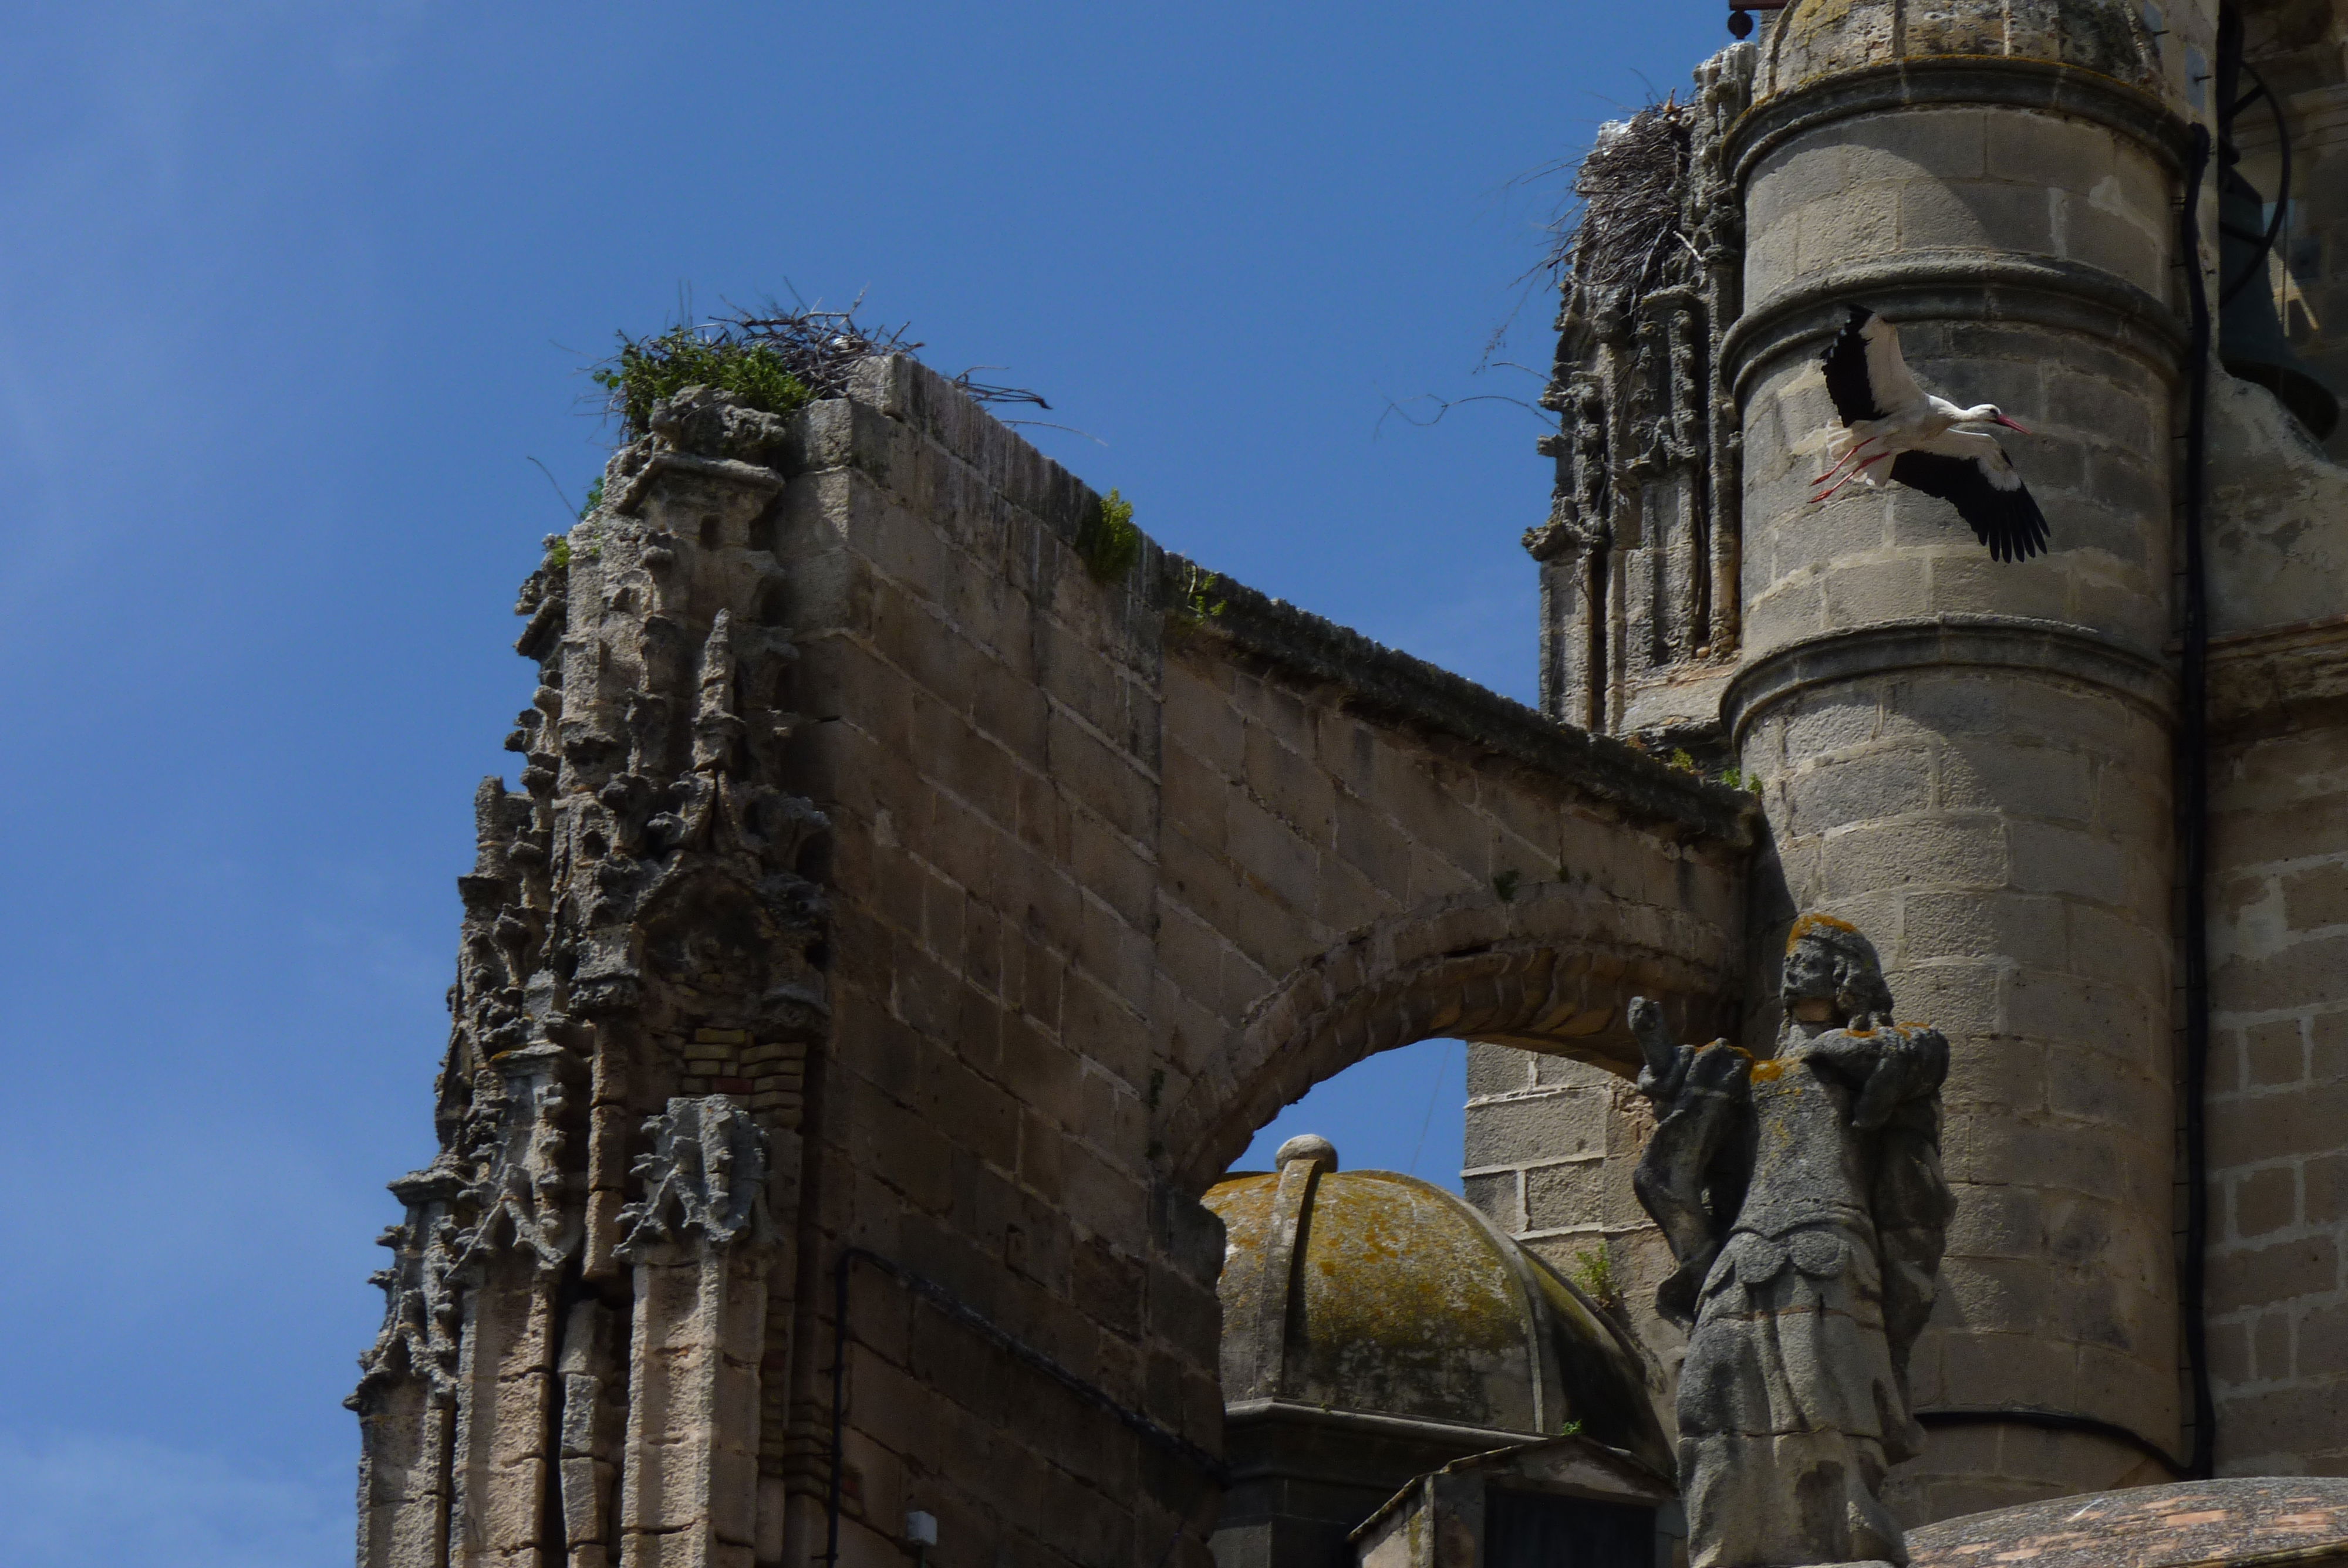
[1803, 1197]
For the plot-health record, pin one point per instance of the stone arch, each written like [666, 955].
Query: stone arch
[1550, 970]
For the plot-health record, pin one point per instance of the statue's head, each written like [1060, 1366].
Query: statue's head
[1832, 974]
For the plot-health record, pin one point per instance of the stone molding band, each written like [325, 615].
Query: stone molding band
[1962, 286]
[1951, 81]
[753, 475]
[2052, 1421]
[2263, 676]
[2044, 648]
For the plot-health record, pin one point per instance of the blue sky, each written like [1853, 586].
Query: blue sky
[289, 295]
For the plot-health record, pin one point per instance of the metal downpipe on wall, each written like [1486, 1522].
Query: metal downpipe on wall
[2193, 828]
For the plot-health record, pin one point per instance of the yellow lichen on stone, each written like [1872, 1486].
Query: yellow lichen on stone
[1815, 17]
[1810, 923]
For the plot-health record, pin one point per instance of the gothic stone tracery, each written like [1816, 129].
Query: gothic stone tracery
[635, 1004]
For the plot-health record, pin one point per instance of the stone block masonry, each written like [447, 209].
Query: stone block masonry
[1110, 885]
[2279, 1091]
[1550, 1145]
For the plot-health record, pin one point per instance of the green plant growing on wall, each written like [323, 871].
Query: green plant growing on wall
[649, 369]
[1195, 606]
[1106, 540]
[1506, 883]
[1593, 1270]
[594, 496]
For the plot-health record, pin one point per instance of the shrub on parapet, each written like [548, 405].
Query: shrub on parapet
[649, 369]
[1106, 540]
[773, 364]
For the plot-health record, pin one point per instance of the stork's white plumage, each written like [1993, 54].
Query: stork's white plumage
[1895, 431]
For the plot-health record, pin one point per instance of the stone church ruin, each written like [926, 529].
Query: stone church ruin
[917, 889]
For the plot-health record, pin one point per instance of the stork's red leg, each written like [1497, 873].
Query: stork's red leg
[1829, 494]
[1847, 456]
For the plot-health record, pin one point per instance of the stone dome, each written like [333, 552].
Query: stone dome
[1813, 39]
[1377, 1294]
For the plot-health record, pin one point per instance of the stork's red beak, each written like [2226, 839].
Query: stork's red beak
[2010, 425]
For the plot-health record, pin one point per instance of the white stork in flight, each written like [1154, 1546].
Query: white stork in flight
[1886, 416]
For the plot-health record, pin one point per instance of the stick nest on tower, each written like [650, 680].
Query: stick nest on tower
[1632, 187]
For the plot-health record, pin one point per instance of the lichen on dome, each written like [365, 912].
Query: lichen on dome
[1379, 1293]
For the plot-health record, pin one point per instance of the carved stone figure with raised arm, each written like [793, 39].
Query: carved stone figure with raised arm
[1803, 1200]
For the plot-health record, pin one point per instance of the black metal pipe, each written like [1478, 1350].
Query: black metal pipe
[2193, 826]
[2257, 264]
[2053, 1421]
[1019, 1350]
[838, 1405]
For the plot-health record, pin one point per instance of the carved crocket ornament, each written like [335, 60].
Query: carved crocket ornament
[1802, 1197]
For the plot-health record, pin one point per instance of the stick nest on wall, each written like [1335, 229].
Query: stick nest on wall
[774, 362]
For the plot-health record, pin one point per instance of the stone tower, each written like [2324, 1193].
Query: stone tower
[1970, 755]
[1973, 761]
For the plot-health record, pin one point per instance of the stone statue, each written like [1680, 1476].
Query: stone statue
[1802, 1197]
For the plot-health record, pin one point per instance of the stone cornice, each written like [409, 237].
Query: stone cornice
[2268, 674]
[2045, 86]
[753, 475]
[1941, 642]
[2040, 291]
[1392, 683]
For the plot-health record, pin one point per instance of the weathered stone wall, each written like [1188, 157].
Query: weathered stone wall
[2279, 1103]
[2278, 849]
[1866, 208]
[888, 896]
[2278, 533]
[2278, 545]
[1106, 889]
[1550, 1145]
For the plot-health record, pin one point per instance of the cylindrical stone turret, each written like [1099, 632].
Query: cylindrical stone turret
[1970, 759]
